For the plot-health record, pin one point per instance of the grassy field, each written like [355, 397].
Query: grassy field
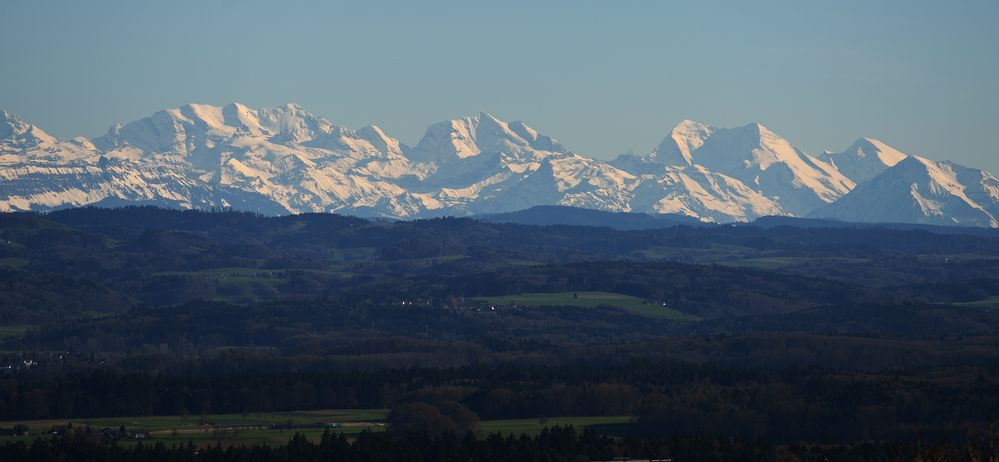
[439, 260]
[12, 331]
[253, 428]
[532, 427]
[358, 253]
[713, 253]
[13, 262]
[955, 258]
[779, 262]
[765, 262]
[247, 285]
[588, 300]
[735, 256]
[234, 428]
[250, 273]
[991, 302]
[522, 262]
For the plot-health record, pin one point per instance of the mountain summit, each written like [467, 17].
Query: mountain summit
[865, 159]
[15, 133]
[919, 190]
[470, 136]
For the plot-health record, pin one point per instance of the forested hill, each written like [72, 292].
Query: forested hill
[108, 260]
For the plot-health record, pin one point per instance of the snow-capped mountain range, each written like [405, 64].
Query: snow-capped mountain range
[286, 160]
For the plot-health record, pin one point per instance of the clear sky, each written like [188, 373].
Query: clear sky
[602, 77]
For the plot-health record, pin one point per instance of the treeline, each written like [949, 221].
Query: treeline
[316, 327]
[786, 405]
[551, 445]
[468, 331]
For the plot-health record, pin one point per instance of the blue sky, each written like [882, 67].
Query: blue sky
[602, 77]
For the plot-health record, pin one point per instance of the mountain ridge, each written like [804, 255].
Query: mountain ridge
[285, 159]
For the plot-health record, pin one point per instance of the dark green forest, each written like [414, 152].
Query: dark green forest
[870, 343]
[555, 445]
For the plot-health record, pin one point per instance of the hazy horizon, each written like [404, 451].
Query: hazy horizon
[601, 78]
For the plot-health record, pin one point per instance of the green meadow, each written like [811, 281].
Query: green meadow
[991, 302]
[588, 300]
[247, 428]
[254, 428]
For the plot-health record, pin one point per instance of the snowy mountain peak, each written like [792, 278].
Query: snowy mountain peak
[450, 139]
[379, 140]
[939, 172]
[676, 149]
[485, 116]
[481, 133]
[685, 138]
[865, 159]
[688, 124]
[10, 124]
[21, 142]
[770, 164]
[868, 143]
[763, 136]
[7, 122]
[180, 130]
[242, 117]
[291, 123]
[751, 154]
[866, 147]
[919, 190]
[16, 132]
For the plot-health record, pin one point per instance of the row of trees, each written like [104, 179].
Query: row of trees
[551, 445]
[793, 405]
